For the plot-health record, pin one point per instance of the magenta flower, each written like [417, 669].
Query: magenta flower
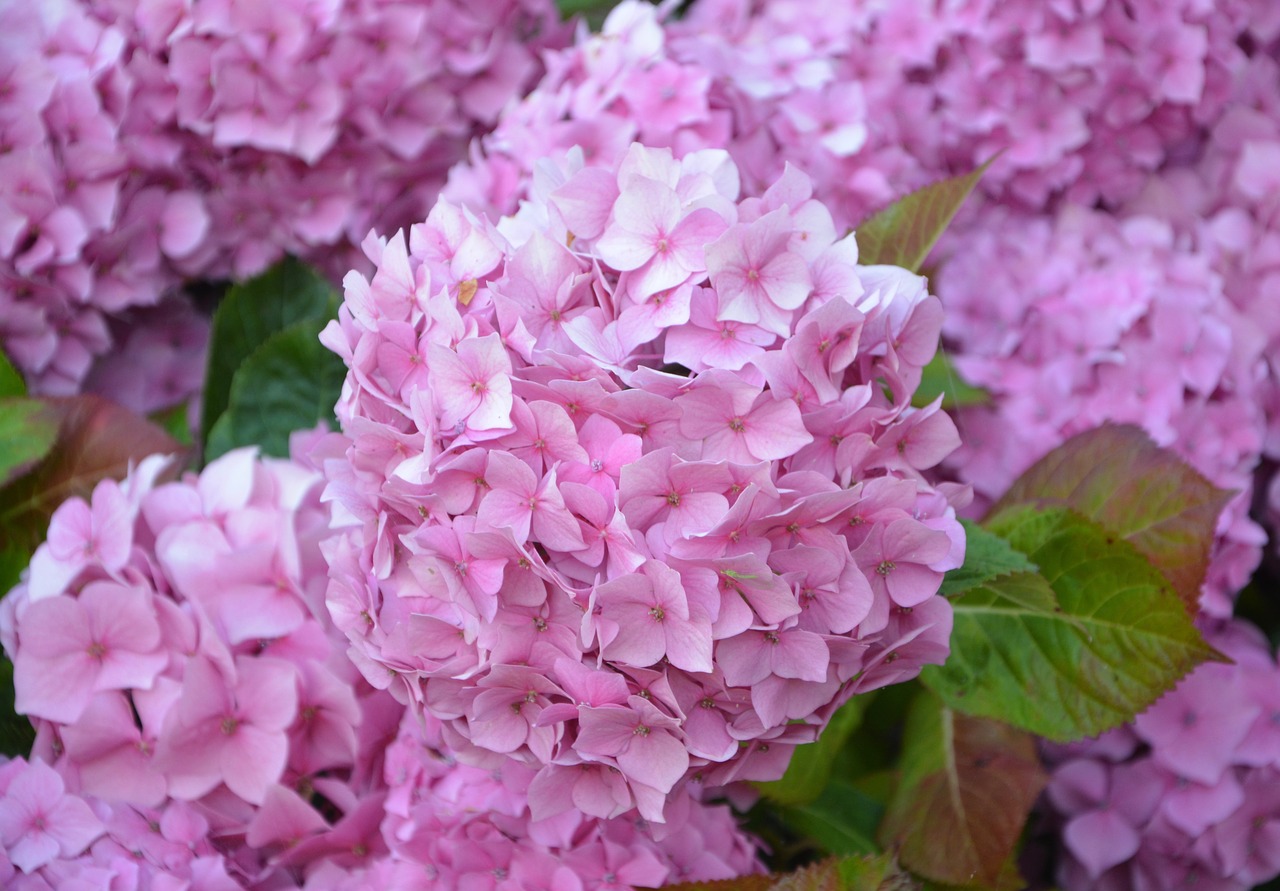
[231, 732]
[653, 237]
[759, 279]
[472, 386]
[39, 821]
[71, 648]
[655, 620]
[638, 737]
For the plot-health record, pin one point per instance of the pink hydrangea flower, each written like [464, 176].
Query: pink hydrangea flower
[594, 532]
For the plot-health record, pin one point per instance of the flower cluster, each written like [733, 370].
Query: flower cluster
[1085, 99]
[460, 826]
[53, 838]
[146, 144]
[199, 721]
[1189, 794]
[170, 644]
[639, 481]
[1082, 318]
[873, 99]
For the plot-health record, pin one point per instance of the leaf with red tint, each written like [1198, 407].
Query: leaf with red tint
[1117, 477]
[904, 232]
[96, 439]
[967, 788]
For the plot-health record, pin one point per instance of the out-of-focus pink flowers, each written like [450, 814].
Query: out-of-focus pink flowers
[1084, 318]
[584, 557]
[1189, 793]
[143, 145]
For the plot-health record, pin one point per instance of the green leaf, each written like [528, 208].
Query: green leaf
[96, 439]
[987, 557]
[11, 383]
[841, 820]
[28, 428]
[879, 873]
[174, 422]
[1075, 649]
[16, 732]
[810, 766]
[14, 558]
[290, 382]
[939, 378]
[967, 788]
[904, 232]
[1116, 476]
[284, 295]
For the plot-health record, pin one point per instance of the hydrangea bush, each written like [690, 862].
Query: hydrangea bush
[643, 478]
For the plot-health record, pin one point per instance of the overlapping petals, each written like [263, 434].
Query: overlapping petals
[599, 561]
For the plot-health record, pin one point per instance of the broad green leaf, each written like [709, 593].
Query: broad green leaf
[28, 428]
[14, 557]
[1081, 646]
[252, 312]
[96, 439]
[940, 378]
[11, 383]
[841, 820]
[878, 873]
[987, 557]
[966, 791]
[290, 382]
[904, 232]
[16, 732]
[810, 766]
[1116, 476]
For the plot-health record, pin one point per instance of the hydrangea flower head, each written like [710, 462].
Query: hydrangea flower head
[620, 570]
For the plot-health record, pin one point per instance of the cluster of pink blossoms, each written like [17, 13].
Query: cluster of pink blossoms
[199, 721]
[638, 478]
[1082, 318]
[171, 646]
[145, 144]
[461, 826]
[871, 100]
[1188, 796]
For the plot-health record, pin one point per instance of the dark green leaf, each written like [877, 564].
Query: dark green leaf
[284, 295]
[1081, 646]
[966, 791]
[810, 766]
[28, 428]
[987, 556]
[16, 733]
[940, 378]
[11, 383]
[1116, 476]
[174, 422]
[290, 382]
[904, 232]
[842, 820]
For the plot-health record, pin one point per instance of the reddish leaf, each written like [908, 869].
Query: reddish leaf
[967, 788]
[1117, 477]
[96, 439]
[28, 428]
[904, 232]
